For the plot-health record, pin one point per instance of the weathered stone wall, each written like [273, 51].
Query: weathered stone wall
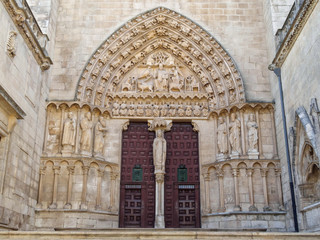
[300, 82]
[83, 26]
[24, 81]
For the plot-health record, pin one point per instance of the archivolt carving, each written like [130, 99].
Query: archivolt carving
[160, 54]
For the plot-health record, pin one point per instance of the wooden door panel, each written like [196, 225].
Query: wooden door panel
[182, 204]
[137, 197]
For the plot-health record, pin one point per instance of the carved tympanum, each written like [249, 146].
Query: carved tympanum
[160, 55]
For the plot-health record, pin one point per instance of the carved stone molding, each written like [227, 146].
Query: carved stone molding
[288, 34]
[27, 25]
[11, 44]
[164, 55]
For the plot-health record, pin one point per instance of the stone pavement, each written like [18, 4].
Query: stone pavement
[127, 234]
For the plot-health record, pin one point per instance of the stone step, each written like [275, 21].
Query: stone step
[172, 234]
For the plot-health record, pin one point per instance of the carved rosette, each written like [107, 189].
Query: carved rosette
[161, 64]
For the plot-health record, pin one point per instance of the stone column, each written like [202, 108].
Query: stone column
[63, 108]
[70, 182]
[85, 170]
[42, 172]
[159, 221]
[114, 177]
[206, 177]
[259, 134]
[56, 170]
[274, 134]
[265, 189]
[235, 174]
[243, 133]
[279, 188]
[98, 201]
[77, 144]
[252, 206]
[220, 175]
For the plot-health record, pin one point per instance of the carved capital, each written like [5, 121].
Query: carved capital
[56, 170]
[250, 172]
[159, 123]
[195, 126]
[43, 170]
[263, 172]
[85, 170]
[71, 169]
[160, 177]
[100, 172]
[114, 175]
[125, 125]
[235, 172]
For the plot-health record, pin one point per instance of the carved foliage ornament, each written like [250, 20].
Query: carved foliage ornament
[161, 53]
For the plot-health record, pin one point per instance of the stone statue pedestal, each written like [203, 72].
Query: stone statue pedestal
[86, 153]
[67, 150]
[237, 208]
[221, 157]
[253, 154]
[234, 155]
[99, 156]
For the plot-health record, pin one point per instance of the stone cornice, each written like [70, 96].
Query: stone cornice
[29, 29]
[291, 29]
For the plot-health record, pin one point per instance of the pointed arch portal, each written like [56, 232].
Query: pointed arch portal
[162, 69]
[157, 59]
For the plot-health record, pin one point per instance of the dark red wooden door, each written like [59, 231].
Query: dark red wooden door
[182, 195]
[137, 194]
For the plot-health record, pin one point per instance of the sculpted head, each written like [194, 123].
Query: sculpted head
[88, 115]
[221, 120]
[70, 115]
[233, 116]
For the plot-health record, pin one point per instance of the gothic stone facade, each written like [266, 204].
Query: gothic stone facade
[158, 75]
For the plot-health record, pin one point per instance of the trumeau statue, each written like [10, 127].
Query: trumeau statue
[86, 136]
[222, 136]
[159, 151]
[68, 137]
[100, 132]
[252, 134]
[234, 138]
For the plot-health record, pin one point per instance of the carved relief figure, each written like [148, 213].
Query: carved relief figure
[234, 138]
[161, 82]
[100, 131]
[53, 140]
[159, 151]
[68, 137]
[176, 82]
[86, 127]
[222, 136]
[252, 134]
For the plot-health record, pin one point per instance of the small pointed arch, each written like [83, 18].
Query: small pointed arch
[161, 37]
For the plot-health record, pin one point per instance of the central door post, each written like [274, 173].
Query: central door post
[159, 125]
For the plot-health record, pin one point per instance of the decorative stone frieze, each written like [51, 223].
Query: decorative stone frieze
[288, 34]
[29, 29]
